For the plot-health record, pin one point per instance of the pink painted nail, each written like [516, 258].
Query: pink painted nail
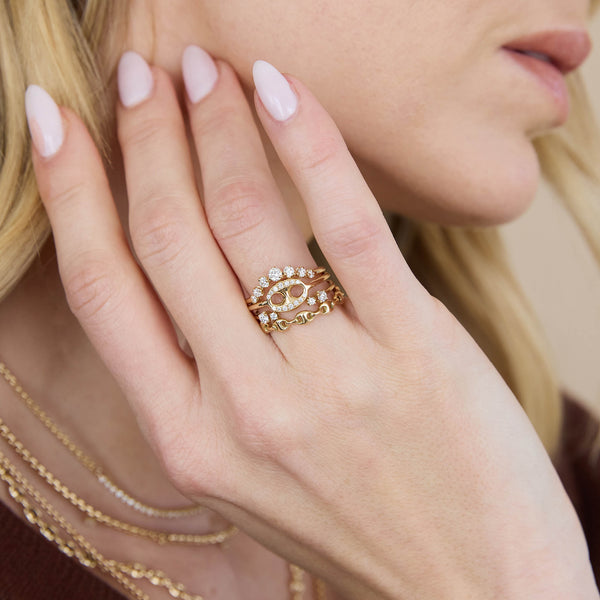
[134, 78]
[274, 90]
[44, 120]
[199, 72]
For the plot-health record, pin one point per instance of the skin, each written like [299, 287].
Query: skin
[403, 137]
[356, 55]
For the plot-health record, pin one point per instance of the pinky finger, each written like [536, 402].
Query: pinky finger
[105, 288]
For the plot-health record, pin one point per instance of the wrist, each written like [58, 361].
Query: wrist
[559, 571]
[505, 568]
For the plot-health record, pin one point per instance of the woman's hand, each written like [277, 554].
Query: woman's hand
[376, 446]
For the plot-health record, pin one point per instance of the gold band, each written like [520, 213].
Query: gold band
[279, 283]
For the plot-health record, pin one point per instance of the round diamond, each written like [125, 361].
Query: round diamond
[311, 300]
[273, 290]
[264, 282]
[301, 272]
[253, 299]
[289, 271]
[310, 273]
[274, 316]
[257, 292]
[322, 295]
[275, 274]
[263, 317]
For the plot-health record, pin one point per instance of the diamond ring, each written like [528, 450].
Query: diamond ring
[283, 290]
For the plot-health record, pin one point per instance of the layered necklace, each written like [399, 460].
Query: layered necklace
[54, 527]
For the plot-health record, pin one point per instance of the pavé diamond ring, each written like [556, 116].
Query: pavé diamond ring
[283, 290]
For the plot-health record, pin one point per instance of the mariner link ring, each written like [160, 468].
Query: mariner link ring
[273, 295]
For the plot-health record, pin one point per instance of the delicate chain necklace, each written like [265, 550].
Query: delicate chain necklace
[78, 546]
[160, 537]
[73, 544]
[88, 462]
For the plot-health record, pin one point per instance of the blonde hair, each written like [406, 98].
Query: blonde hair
[60, 45]
[56, 44]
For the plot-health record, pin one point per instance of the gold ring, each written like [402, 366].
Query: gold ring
[273, 296]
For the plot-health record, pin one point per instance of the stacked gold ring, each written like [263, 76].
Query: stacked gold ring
[279, 283]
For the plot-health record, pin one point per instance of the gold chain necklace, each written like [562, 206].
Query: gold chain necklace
[125, 573]
[91, 465]
[78, 546]
[160, 537]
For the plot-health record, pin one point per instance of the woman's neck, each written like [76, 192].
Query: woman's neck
[47, 350]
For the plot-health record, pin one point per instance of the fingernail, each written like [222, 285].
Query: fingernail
[134, 78]
[44, 120]
[274, 90]
[199, 72]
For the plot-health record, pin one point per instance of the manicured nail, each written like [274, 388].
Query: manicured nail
[274, 90]
[44, 120]
[199, 72]
[135, 79]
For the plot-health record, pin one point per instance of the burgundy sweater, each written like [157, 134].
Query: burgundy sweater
[32, 568]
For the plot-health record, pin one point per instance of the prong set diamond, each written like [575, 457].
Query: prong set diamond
[275, 274]
[321, 297]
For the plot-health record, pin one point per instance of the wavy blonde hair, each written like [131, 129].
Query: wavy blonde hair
[72, 48]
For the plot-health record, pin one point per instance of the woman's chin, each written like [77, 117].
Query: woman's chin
[488, 191]
[503, 196]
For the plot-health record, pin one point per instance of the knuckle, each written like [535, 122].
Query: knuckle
[353, 239]
[185, 467]
[142, 133]
[236, 207]
[351, 398]
[158, 231]
[92, 288]
[430, 352]
[192, 463]
[219, 121]
[60, 194]
[269, 432]
[320, 156]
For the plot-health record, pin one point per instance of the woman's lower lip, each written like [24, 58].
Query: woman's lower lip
[551, 78]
